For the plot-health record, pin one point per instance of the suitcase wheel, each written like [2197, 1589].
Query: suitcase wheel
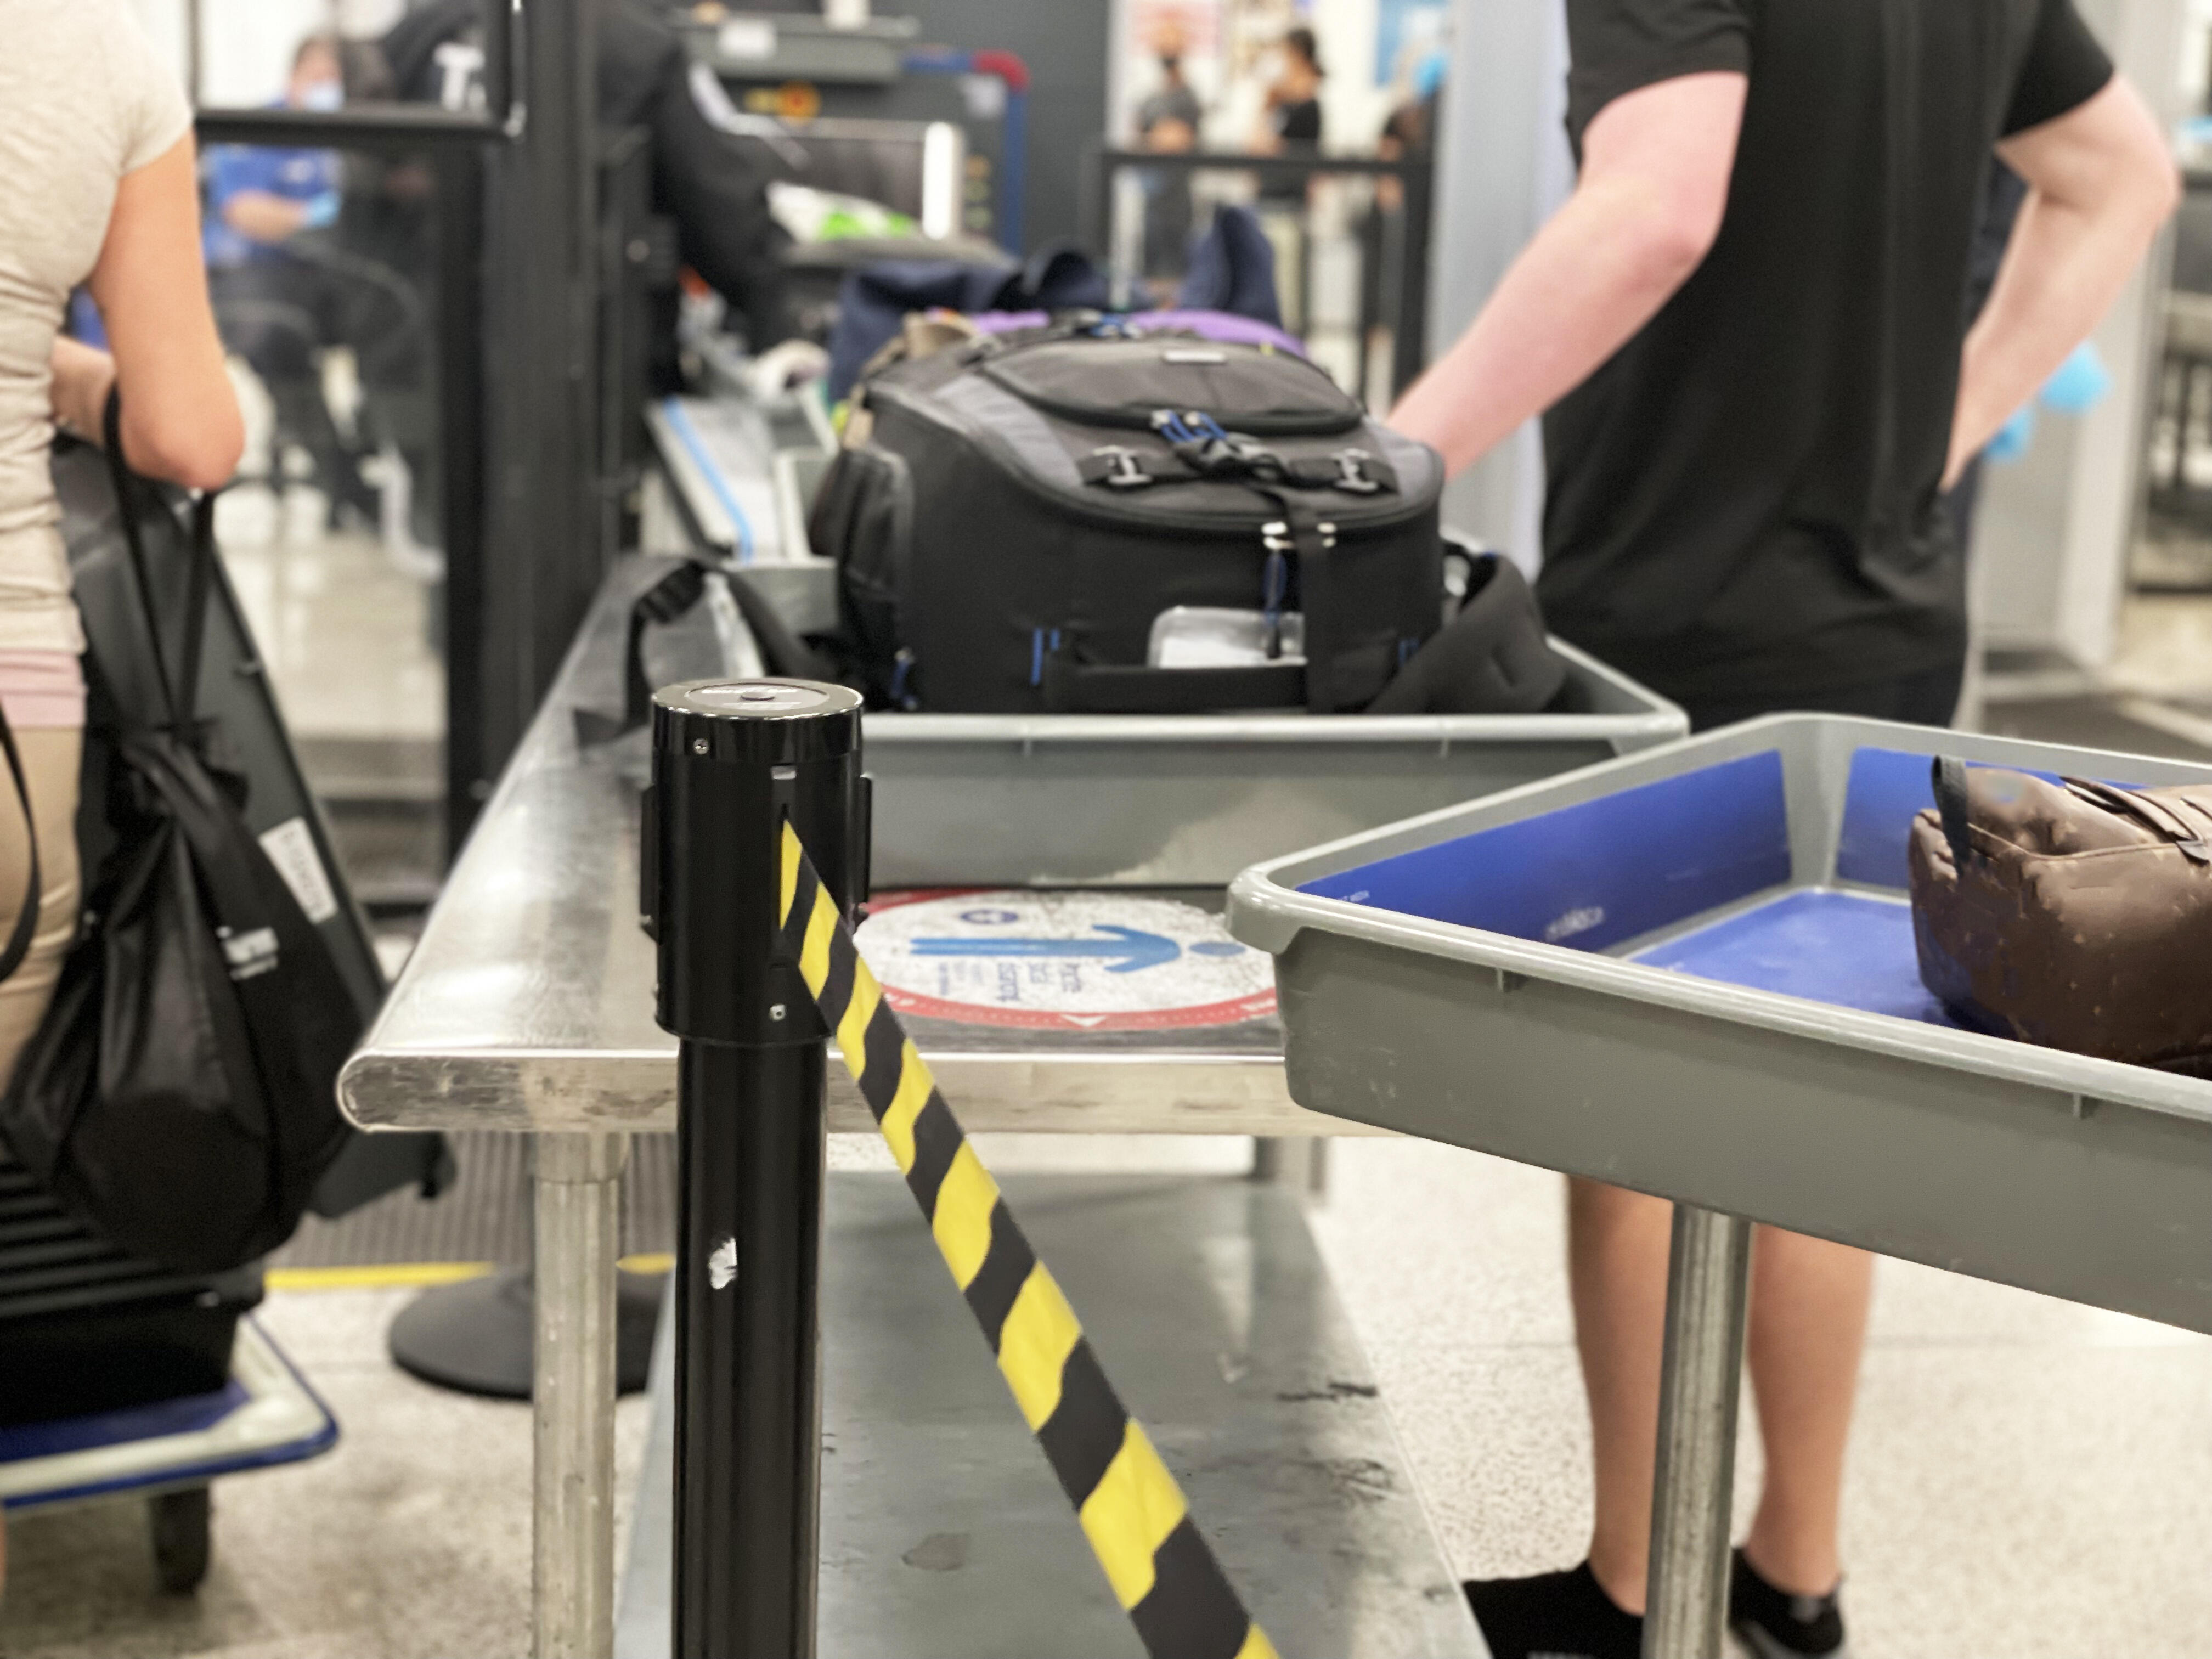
[182, 1543]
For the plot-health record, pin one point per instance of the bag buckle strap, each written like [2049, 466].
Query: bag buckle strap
[1192, 426]
[1351, 473]
[1125, 468]
[1276, 536]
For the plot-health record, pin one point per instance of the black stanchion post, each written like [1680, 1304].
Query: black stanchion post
[731, 761]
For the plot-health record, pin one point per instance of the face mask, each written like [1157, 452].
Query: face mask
[322, 95]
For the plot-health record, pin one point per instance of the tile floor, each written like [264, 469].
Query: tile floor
[2029, 1479]
[409, 1540]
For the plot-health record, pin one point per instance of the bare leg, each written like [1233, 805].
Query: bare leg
[51, 759]
[1808, 1315]
[1617, 1244]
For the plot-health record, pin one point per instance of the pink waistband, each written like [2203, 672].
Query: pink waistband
[42, 689]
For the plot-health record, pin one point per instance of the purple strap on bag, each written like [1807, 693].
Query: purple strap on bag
[1222, 326]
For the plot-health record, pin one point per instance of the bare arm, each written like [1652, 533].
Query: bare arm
[81, 376]
[2100, 182]
[180, 419]
[1654, 184]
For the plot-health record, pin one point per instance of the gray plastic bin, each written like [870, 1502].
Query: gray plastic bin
[1106, 800]
[1690, 971]
[1055, 800]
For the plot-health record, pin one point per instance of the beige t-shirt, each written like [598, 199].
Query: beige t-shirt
[85, 102]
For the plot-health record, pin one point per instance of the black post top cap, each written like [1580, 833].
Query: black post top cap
[753, 719]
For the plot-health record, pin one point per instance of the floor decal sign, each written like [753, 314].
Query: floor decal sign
[1077, 961]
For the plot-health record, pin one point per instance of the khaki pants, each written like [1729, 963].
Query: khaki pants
[51, 758]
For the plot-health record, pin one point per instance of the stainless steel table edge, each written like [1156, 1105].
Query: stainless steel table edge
[1655, 721]
[634, 1091]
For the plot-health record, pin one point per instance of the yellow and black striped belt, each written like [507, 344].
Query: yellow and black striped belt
[1161, 1570]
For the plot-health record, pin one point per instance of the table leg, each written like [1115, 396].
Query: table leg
[1300, 1161]
[1708, 1290]
[579, 1234]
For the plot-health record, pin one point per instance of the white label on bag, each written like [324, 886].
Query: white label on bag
[747, 38]
[250, 954]
[291, 849]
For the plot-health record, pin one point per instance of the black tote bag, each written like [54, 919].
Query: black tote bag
[180, 1093]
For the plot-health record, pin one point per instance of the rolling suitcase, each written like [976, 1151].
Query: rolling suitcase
[88, 1328]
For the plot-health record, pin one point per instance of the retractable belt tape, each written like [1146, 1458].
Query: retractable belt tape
[1162, 1571]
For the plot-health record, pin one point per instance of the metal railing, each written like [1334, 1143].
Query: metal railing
[1398, 296]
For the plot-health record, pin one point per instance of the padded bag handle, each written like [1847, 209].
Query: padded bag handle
[1492, 659]
[671, 599]
[2172, 816]
[1948, 774]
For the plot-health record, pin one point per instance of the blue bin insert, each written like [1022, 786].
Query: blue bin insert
[1659, 856]
[1602, 871]
[1854, 949]
[1710, 843]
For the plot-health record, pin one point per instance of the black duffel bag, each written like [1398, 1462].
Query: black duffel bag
[1023, 509]
[179, 1094]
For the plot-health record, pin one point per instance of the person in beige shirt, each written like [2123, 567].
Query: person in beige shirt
[98, 187]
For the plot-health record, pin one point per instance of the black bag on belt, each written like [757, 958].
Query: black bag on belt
[1023, 508]
[180, 1093]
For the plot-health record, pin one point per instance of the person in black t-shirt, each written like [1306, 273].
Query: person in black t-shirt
[1291, 120]
[1290, 123]
[1747, 329]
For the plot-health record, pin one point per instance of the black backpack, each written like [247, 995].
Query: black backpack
[180, 1093]
[1023, 508]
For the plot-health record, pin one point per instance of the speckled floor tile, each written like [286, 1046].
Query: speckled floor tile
[2028, 1478]
[409, 1540]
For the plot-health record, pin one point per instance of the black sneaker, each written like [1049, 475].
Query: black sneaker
[1556, 1615]
[1775, 1625]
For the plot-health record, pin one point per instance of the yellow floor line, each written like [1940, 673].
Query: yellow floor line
[375, 1276]
[386, 1275]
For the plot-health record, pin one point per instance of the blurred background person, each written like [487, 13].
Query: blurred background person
[1290, 125]
[710, 181]
[1168, 123]
[1290, 122]
[280, 308]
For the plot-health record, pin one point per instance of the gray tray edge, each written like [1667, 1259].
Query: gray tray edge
[1267, 911]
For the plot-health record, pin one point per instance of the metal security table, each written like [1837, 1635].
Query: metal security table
[1692, 972]
[945, 1535]
[527, 1006]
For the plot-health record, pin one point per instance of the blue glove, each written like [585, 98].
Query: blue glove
[2013, 437]
[322, 211]
[2079, 382]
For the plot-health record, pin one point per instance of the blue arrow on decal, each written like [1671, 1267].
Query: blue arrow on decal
[1127, 952]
